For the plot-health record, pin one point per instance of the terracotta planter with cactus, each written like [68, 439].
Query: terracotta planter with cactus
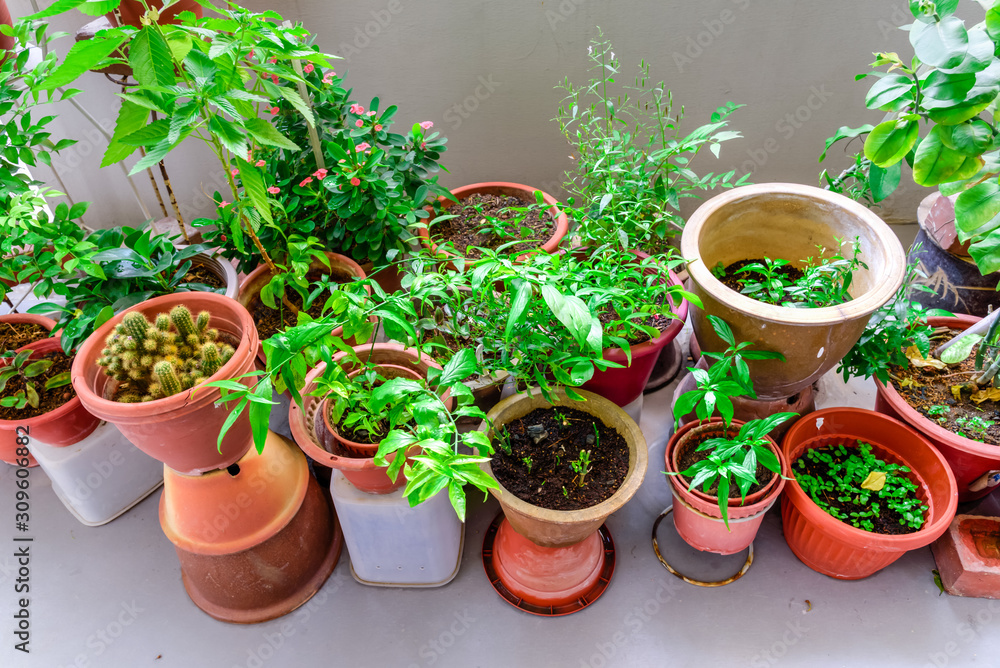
[180, 429]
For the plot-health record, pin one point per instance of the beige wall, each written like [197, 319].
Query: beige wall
[484, 73]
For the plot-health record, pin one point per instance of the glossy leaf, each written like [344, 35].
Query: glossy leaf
[888, 142]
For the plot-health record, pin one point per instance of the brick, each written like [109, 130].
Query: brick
[968, 557]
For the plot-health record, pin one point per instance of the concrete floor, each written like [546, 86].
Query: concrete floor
[112, 596]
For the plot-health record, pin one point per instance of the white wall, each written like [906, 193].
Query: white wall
[484, 72]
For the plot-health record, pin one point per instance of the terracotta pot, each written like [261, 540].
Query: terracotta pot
[697, 515]
[28, 319]
[788, 221]
[6, 43]
[222, 269]
[625, 385]
[8, 446]
[309, 431]
[835, 548]
[561, 528]
[342, 268]
[132, 10]
[499, 188]
[180, 430]
[969, 460]
[253, 544]
[387, 371]
[66, 425]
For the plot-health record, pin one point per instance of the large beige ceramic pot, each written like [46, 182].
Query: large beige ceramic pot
[788, 221]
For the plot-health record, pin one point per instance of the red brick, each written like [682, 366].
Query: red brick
[968, 557]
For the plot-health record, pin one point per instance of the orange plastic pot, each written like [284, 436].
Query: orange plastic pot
[969, 460]
[697, 515]
[501, 189]
[66, 425]
[342, 268]
[835, 548]
[132, 10]
[624, 385]
[180, 430]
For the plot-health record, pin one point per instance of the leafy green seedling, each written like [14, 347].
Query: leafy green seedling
[22, 366]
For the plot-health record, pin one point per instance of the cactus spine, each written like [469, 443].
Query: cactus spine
[168, 356]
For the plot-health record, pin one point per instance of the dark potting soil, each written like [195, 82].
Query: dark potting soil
[886, 522]
[464, 231]
[692, 456]
[201, 274]
[48, 400]
[17, 335]
[270, 321]
[930, 395]
[635, 336]
[737, 281]
[550, 481]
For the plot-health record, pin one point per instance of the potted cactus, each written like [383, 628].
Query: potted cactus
[143, 371]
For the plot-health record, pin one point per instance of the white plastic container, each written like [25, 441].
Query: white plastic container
[100, 477]
[393, 545]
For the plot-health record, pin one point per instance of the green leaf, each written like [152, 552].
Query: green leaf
[521, 298]
[81, 57]
[99, 7]
[949, 87]
[570, 311]
[845, 132]
[131, 117]
[993, 22]
[153, 156]
[154, 133]
[230, 136]
[961, 349]
[976, 207]
[892, 88]
[150, 58]
[268, 135]
[953, 114]
[296, 101]
[890, 141]
[935, 163]
[230, 419]
[884, 182]
[253, 186]
[458, 367]
[970, 138]
[57, 7]
[986, 253]
[260, 412]
[942, 43]
[456, 494]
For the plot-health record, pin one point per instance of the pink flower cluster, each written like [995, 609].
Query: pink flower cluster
[363, 146]
[274, 190]
[427, 125]
[357, 109]
[328, 77]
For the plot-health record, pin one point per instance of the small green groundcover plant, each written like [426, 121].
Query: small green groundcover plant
[22, 365]
[825, 281]
[869, 487]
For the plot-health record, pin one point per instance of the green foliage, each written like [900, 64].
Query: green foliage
[27, 369]
[952, 84]
[974, 427]
[581, 465]
[632, 165]
[844, 480]
[157, 360]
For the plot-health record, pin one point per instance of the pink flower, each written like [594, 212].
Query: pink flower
[328, 77]
[363, 146]
[306, 181]
[274, 190]
[274, 110]
[309, 68]
[377, 127]
[371, 113]
[250, 55]
[233, 172]
[272, 60]
[320, 174]
[274, 78]
[427, 125]
[357, 109]
[423, 146]
[359, 123]
[342, 160]
[260, 163]
[223, 203]
[355, 181]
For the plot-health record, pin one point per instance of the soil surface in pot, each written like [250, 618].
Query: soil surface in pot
[928, 391]
[736, 281]
[550, 481]
[691, 456]
[48, 400]
[270, 321]
[636, 336]
[886, 522]
[203, 275]
[464, 231]
[14, 335]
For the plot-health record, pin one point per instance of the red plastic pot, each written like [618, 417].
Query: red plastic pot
[180, 430]
[342, 268]
[697, 515]
[835, 548]
[132, 10]
[969, 460]
[500, 188]
[624, 385]
[66, 425]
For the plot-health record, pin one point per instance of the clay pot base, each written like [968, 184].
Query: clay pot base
[667, 366]
[688, 579]
[518, 596]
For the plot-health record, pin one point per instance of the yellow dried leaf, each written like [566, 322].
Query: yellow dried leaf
[956, 391]
[918, 360]
[908, 382]
[992, 394]
[875, 481]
